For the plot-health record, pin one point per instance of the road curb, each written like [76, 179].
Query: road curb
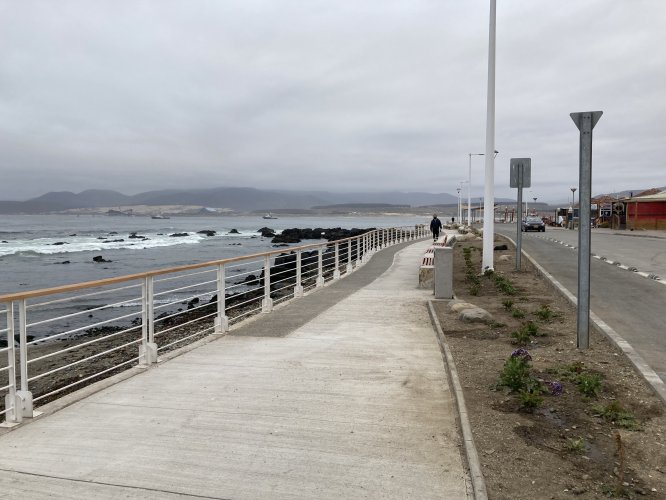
[648, 374]
[471, 455]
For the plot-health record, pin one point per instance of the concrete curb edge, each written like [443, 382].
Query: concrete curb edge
[473, 463]
[648, 374]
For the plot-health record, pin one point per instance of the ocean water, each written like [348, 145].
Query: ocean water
[34, 248]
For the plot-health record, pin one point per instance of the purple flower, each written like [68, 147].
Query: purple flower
[555, 388]
[521, 353]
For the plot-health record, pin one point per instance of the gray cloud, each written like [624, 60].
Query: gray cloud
[352, 96]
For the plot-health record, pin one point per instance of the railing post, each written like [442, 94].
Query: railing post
[221, 320]
[364, 248]
[147, 348]
[298, 288]
[320, 268]
[24, 395]
[267, 303]
[350, 266]
[336, 272]
[13, 403]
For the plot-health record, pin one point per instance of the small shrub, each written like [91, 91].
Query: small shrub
[529, 401]
[521, 337]
[475, 289]
[555, 387]
[518, 313]
[515, 373]
[504, 285]
[568, 372]
[532, 328]
[576, 445]
[589, 384]
[615, 413]
[544, 313]
[488, 273]
[522, 353]
[508, 304]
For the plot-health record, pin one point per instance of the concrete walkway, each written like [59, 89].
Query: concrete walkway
[342, 394]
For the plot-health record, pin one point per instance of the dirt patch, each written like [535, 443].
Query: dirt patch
[577, 423]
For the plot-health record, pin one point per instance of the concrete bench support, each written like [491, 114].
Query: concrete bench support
[443, 272]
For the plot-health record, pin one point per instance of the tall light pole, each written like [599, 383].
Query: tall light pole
[489, 192]
[573, 205]
[535, 210]
[458, 214]
[469, 187]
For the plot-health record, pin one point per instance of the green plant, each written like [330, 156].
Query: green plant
[518, 313]
[589, 384]
[533, 329]
[544, 313]
[529, 400]
[575, 445]
[569, 372]
[504, 285]
[508, 304]
[515, 373]
[615, 413]
[488, 273]
[521, 336]
[475, 289]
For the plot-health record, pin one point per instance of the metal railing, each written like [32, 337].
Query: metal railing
[56, 340]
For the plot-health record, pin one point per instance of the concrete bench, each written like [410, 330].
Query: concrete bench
[427, 269]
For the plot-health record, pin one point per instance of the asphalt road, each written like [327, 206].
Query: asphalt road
[629, 302]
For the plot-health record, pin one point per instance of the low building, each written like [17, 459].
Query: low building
[646, 211]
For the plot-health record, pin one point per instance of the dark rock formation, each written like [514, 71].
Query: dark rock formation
[99, 258]
[500, 247]
[59, 243]
[266, 232]
[178, 235]
[208, 232]
[234, 231]
[295, 235]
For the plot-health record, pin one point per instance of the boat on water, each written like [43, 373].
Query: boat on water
[160, 216]
[269, 216]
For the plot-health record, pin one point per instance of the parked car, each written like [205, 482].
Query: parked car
[533, 224]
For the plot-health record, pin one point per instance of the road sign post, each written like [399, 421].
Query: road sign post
[520, 176]
[585, 121]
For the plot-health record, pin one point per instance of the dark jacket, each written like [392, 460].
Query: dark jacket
[435, 225]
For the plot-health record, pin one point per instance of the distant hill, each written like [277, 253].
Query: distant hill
[240, 199]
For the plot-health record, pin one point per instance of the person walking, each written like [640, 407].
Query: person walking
[435, 226]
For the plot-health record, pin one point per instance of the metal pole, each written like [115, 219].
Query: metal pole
[469, 192]
[489, 192]
[585, 122]
[519, 226]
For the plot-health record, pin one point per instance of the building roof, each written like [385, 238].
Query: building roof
[661, 196]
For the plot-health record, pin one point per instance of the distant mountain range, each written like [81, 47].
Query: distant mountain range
[240, 199]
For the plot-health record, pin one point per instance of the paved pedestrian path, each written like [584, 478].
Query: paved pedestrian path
[342, 394]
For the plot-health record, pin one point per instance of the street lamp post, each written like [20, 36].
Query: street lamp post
[573, 205]
[458, 214]
[489, 191]
[535, 210]
[469, 187]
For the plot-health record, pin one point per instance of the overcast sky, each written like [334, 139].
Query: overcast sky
[344, 95]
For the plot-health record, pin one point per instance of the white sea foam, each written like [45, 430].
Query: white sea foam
[71, 244]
